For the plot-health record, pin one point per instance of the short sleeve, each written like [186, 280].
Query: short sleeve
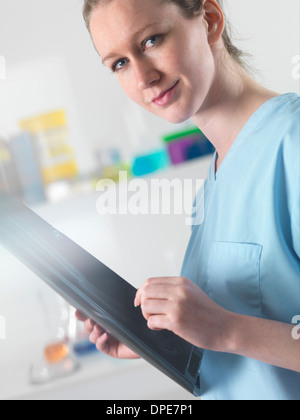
[291, 162]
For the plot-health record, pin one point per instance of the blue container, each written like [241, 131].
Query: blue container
[23, 154]
[151, 162]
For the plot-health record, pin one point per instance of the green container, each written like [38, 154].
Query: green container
[181, 134]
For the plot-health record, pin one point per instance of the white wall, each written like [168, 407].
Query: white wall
[269, 30]
[48, 40]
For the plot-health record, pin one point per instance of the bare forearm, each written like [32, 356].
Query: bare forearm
[268, 341]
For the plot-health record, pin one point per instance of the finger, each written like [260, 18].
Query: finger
[137, 300]
[96, 333]
[163, 280]
[154, 281]
[158, 322]
[155, 307]
[80, 316]
[102, 342]
[89, 325]
[157, 291]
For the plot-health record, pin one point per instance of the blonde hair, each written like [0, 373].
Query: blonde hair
[189, 9]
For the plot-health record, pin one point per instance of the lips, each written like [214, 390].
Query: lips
[165, 97]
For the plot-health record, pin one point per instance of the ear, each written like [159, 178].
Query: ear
[215, 20]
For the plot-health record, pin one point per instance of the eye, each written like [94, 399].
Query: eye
[118, 65]
[151, 41]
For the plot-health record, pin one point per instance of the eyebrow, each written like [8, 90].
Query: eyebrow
[135, 35]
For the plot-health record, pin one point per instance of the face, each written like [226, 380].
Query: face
[162, 60]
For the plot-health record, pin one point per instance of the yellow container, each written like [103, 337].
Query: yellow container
[55, 155]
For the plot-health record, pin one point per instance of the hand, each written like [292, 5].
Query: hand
[178, 305]
[104, 341]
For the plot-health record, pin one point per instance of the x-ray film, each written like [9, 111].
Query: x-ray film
[94, 289]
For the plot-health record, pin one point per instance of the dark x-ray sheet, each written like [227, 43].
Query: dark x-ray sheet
[94, 289]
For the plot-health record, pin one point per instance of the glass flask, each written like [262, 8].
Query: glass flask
[56, 358]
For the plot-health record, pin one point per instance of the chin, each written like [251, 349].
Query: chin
[176, 120]
[176, 117]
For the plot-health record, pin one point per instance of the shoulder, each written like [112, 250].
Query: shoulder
[285, 141]
[285, 112]
[285, 151]
[290, 111]
[289, 164]
[290, 137]
[288, 102]
[279, 126]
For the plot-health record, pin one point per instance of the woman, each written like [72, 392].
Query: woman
[240, 284]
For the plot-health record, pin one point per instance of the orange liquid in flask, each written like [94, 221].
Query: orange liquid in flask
[54, 353]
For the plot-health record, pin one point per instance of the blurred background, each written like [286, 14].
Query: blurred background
[65, 124]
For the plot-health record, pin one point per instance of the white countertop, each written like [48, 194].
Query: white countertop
[137, 247]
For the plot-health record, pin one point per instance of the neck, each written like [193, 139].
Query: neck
[232, 101]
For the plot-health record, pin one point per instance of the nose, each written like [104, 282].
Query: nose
[146, 75]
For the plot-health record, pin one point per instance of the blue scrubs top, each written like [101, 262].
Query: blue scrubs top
[245, 253]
